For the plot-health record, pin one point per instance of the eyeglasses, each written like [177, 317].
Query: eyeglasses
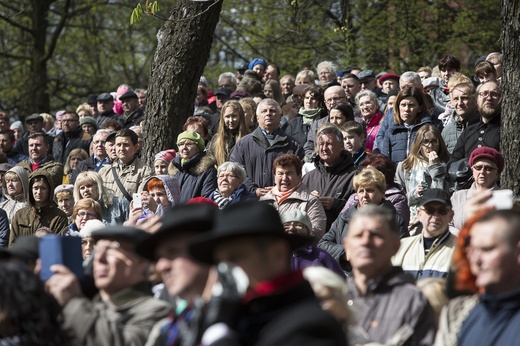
[227, 176]
[334, 99]
[432, 211]
[492, 94]
[486, 169]
[186, 144]
[427, 142]
[69, 120]
[87, 214]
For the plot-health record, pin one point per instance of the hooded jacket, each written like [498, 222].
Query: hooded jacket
[197, 177]
[12, 205]
[28, 219]
[65, 142]
[171, 187]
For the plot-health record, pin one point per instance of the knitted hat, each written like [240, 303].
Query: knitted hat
[165, 155]
[17, 125]
[91, 226]
[89, 120]
[487, 153]
[192, 136]
[64, 187]
[297, 215]
[257, 61]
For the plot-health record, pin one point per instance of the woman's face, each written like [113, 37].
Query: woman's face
[429, 144]
[87, 245]
[82, 114]
[390, 84]
[159, 196]
[325, 75]
[309, 101]
[268, 91]
[14, 186]
[83, 216]
[390, 101]
[74, 160]
[485, 173]
[89, 190]
[187, 149]
[367, 107]
[336, 117]
[227, 183]
[286, 178]
[369, 194]
[66, 204]
[408, 109]
[160, 167]
[231, 118]
[89, 128]
[201, 96]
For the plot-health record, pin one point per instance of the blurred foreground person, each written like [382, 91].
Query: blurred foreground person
[124, 312]
[279, 307]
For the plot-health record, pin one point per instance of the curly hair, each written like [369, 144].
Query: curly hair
[27, 311]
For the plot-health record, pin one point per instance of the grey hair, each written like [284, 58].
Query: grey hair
[137, 91]
[269, 102]
[369, 93]
[494, 55]
[329, 65]
[287, 76]
[233, 167]
[382, 213]
[101, 132]
[328, 129]
[230, 75]
[410, 77]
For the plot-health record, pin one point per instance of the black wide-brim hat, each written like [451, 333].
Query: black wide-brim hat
[243, 220]
[188, 218]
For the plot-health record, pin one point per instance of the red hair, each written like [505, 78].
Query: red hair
[154, 183]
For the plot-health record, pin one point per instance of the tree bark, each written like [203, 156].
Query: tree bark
[184, 44]
[510, 130]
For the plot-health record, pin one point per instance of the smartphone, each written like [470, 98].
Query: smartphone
[136, 198]
[501, 199]
[60, 250]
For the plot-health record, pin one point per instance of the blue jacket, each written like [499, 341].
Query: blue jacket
[494, 321]
[398, 139]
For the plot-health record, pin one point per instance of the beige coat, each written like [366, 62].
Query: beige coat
[132, 177]
[303, 200]
[125, 320]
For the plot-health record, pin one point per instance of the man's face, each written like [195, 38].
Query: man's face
[256, 262]
[446, 75]
[498, 66]
[329, 149]
[5, 143]
[105, 106]
[116, 266]
[66, 203]
[110, 148]
[334, 95]
[70, 122]
[435, 218]
[40, 191]
[351, 87]
[270, 73]
[141, 97]
[125, 149]
[493, 260]
[37, 148]
[221, 99]
[4, 124]
[182, 276]
[225, 82]
[130, 105]
[268, 117]
[287, 85]
[369, 84]
[34, 126]
[369, 246]
[286, 178]
[488, 100]
[352, 142]
[464, 103]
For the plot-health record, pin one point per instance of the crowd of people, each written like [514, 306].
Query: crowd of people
[334, 207]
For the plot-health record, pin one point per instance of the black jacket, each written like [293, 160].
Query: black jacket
[64, 143]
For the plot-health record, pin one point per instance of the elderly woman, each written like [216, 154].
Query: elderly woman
[370, 185]
[305, 77]
[87, 243]
[84, 210]
[64, 197]
[366, 101]
[326, 74]
[297, 222]
[114, 210]
[15, 187]
[289, 193]
[193, 169]
[76, 156]
[486, 164]
[230, 185]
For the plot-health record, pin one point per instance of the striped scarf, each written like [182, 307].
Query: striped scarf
[221, 201]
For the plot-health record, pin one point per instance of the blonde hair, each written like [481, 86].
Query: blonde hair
[456, 79]
[305, 74]
[370, 176]
[87, 203]
[92, 178]
[74, 152]
[85, 107]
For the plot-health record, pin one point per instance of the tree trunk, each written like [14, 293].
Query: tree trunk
[184, 44]
[510, 131]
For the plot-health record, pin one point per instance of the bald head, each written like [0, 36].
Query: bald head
[334, 95]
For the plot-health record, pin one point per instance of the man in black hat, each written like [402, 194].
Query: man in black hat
[105, 105]
[133, 114]
[124, 312]
[34, 124]
[280, 307]
[184, 278]
[24, 250]
[428, 254]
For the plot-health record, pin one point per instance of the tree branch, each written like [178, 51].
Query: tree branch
[56, 34]
[12, 56]
[15, 24]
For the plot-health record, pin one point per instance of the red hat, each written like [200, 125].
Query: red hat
[389, 76]
[166, 155]
[487, 153]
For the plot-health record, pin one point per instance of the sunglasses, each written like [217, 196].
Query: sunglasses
[432, 211]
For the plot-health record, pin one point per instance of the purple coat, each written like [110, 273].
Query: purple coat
[312, 256]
